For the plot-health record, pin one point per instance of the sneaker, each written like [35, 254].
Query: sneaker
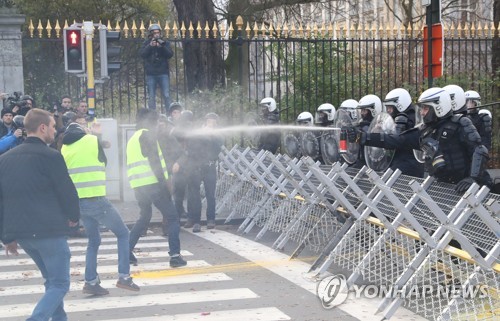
[132, 259]
[94, 289]
[177, 261]
[196, 228]
[210, 224]
[189, 223]
[127, 284]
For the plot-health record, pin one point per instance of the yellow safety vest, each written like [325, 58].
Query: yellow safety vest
[86, 171]
[139, 171]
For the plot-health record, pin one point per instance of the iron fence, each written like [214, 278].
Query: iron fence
[300, 68]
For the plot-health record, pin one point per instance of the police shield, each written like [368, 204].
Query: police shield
[343, 119]
[329, 145]
[379, 159]
[309, 143]
[252, 134]
[291, 144]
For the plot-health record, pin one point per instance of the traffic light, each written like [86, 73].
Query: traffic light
[74, 53]
[109, 53]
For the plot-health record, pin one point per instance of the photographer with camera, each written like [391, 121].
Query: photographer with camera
[16, 132]
[155, 51]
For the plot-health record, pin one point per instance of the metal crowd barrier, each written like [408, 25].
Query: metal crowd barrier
[390, 229]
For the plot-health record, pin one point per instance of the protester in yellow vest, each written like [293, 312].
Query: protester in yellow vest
[148, 176]
[86, 163]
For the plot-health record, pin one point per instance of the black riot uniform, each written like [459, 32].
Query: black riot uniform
[270, 139]
[452, 148]
[483, 124]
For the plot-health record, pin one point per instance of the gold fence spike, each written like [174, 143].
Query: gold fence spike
[199, 30]
[285, 30]
[359, 32]
[374, 30]
[485, 30]
[263, 29]
[271, 30]
[191, 29]
[31, 28]
[466, 30]
[166, 30]
[308, 31]
[394, 32]
[49, 29]
[473, 31]
[215, 30]
[223, 31]
[381, 32]
[255, 30]
[352, 31]
[183, 30]
[230, 30]
[134, 29]
[117, 26]
[338, 34]
[74, 21]
[109, 25]
[300, 31]
[65, 23]
[279, 31]
[125, 29]
[207, 30]
[142, 29]
[57, 28]
[330, 30]
[175, 30]
[239, 22]
[322, 30]
[39, 28]
[459, 30]
[315, 32]
[293, 30]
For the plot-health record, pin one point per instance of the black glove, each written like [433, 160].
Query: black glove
[429, 146]
[351, 133]
[464, 185]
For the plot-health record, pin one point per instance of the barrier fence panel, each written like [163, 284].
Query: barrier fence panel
[437, 250]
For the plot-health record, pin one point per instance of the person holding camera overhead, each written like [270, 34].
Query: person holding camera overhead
[14, 130]
[156, 52]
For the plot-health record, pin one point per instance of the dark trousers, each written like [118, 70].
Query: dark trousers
[208, 175]
[158, 195]
[179, 186]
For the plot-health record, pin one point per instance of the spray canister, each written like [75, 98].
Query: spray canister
[343, 141]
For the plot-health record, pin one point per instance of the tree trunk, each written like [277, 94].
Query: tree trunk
[203, 60]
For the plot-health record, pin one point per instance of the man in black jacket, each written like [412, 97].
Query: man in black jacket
[156, 52]
[38, 204]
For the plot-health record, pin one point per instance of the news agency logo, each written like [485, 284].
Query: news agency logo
[333, 291]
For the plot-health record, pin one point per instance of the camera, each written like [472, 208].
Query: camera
[16, 100]
[160, 41]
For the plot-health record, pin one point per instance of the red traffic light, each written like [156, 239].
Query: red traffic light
[74, 54]
[74, 37]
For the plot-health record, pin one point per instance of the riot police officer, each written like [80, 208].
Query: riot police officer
[481, 120]
[451, 145]
[270, 139]
[305, 118]
[398, 104]
[325, 115]
[368, 107]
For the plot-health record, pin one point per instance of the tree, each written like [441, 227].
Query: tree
[202, 60]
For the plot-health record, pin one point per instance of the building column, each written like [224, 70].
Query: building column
[11, 51]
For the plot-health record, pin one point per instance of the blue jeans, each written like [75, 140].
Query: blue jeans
[99, 210]
[52, 256]
[158, 195]
[152, 81]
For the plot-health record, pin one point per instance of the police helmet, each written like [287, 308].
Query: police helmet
[305, 118]
[472, 99]
[18, 121]
[27, 97]
[186, 116]
[485, 111]
[325, 109]
[68, 117]
[350, 105]
[153, 27]
[212, 116]
[371, 102]
[268, 103]
[399, 98]
[440, 102]
[457, 96]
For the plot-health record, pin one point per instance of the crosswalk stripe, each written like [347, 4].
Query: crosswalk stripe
[130, 301]
[101, 269]
[101, 257]
[261, 314]
[111, 238]
[109, 284]
[114, 246]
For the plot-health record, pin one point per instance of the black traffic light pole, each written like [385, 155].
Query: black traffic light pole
[432, 15]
